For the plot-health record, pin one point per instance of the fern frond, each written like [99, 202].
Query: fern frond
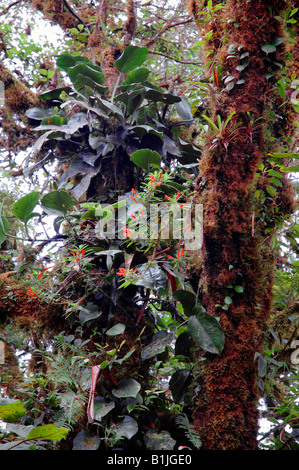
[183, 422]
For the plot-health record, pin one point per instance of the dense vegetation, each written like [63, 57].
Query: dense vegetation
[122, 330]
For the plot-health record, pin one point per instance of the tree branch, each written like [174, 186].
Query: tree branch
[73, 12]
[186, 62]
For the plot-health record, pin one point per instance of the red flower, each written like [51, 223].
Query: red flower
[121, 272]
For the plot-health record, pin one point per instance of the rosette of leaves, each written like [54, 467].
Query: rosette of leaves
[136, 119]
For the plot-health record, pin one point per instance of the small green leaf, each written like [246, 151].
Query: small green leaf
[24, 206]
[269, 48]
[117, 329]
[271, 191]
[48, 431]
[131, 58]
[262, 366]
[284, 155]
[239, 289]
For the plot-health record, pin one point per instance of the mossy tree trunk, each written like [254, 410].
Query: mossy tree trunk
[237, 259]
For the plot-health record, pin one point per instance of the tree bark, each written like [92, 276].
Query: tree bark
[236, 250]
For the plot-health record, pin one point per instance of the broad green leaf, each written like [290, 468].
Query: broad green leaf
[12, 412]
[126, 388]
[48, 431]
[179, 383]
[206, 332]
[102, 408]
[64, 61]
[183, 109]
[131, 58]
[187, 299]
[24, 206]
[54, 120]
[127, 427]
[160, 340]
[184, 345]
[57, 201]
[3, 228]
[86, 70]
[152, 94]
[117, 329]
[136, 76]
[86, 315]
[38, 114]
[84, 440]
[146, 159]
[82, 80]
[143, 129]
[159, 440]
[54, 94]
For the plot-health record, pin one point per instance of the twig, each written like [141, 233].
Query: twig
[185, 62]
[73, 12]
[5, 10]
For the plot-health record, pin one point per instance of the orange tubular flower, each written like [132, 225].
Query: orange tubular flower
[127, 232]
[134, 192]
[121, 272]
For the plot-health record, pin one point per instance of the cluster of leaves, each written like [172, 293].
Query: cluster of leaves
[29, 437]
[138, 120]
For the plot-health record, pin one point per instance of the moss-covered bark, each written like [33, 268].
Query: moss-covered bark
[236, 249]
